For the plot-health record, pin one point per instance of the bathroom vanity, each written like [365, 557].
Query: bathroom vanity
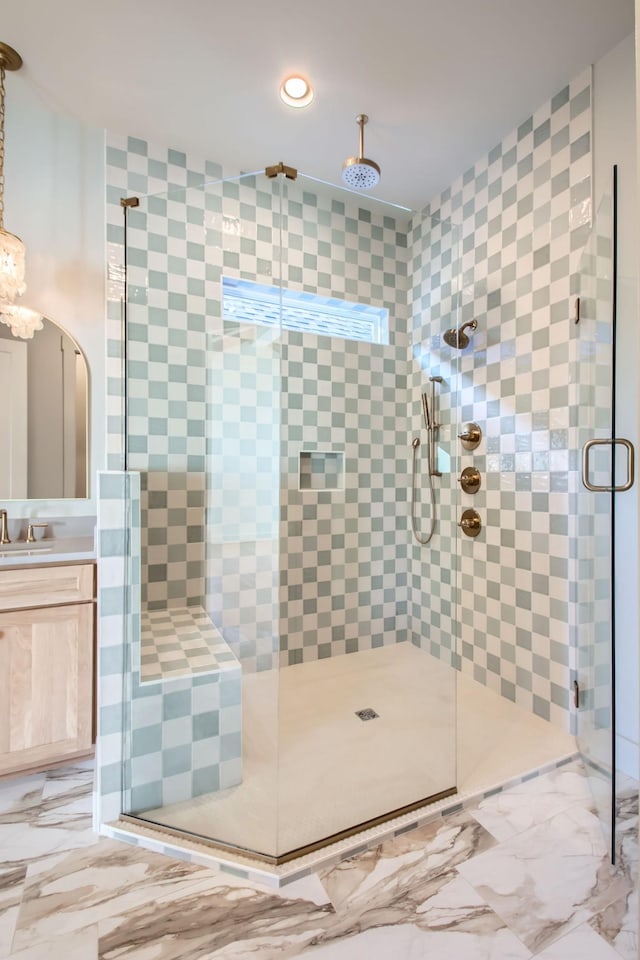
[47, 643]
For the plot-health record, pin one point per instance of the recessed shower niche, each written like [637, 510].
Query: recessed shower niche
[321, 470]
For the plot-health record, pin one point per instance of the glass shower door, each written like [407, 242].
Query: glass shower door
[600, 470]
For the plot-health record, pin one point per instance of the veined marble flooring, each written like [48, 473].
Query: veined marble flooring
[522, 874]
[311, 768]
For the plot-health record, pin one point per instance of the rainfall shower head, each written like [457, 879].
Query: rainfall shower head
[358, 172]
[456, 337]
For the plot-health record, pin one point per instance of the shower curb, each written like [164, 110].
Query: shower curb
[243, 866]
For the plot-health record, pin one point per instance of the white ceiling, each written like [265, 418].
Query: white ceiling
[441, 80]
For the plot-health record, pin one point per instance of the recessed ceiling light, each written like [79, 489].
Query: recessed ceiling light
[295, 91]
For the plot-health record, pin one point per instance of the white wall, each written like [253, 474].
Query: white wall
[54, 201]
[614, 115]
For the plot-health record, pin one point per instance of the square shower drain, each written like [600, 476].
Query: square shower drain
[367, 714]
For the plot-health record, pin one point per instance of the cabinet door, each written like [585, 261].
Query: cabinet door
[46, 586]
[46, 685]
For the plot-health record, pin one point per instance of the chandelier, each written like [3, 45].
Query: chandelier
[12, 283]
[23, 321]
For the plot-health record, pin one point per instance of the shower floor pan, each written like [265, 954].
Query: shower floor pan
[328, 777]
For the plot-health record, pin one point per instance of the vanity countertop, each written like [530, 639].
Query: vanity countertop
[61, 550]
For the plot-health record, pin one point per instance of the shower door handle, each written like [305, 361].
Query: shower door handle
[617, 488]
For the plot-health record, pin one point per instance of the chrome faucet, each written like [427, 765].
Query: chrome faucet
[4, 530]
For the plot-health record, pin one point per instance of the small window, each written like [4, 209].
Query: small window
[257, 303]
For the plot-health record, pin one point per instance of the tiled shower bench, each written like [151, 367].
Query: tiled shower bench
[181, 642]
[186, 711]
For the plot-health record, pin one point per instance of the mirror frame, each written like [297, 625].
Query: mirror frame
[86, 410]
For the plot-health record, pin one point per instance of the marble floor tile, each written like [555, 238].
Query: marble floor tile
[457, 924]
[618, 922]
[308, 888]
[144, 902]
[409, 942]
[523, 875]
[47, 816]
[617, 925]
[579, 944]
[411, 867]
[30, 842]
[147, 906]
[74, 770]
[66, 780]
[527, 804]
[549, 879]
[220, 927]
[406, 899]
[12, 878]
[627, 807]
[82, 945]
[20, 795]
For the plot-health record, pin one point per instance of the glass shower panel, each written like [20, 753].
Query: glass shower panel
[288, 680]
[592, 516]
[434, 568]
[203, 420]
[367, 714]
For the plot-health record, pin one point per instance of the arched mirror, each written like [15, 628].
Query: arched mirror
[44, 410]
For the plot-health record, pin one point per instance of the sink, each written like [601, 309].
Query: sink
[49, 549]
[20, 551]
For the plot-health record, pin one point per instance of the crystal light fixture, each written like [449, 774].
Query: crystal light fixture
[12, 283]
[23, 321]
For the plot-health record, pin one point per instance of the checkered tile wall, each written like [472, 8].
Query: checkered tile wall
[219, 412]
[502, 245]
[158, 742]
[523, 215]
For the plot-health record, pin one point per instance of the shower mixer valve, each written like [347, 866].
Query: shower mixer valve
[470, 480]
[470, 523]
[470, 436]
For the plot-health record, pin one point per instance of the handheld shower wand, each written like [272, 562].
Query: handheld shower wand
[425, 410]
[432, 426]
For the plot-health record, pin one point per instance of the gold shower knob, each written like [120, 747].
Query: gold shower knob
[470, 523]
[470, 436]
[470, 480]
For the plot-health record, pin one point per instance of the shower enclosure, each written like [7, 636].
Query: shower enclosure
[290, 674]
[278, 696]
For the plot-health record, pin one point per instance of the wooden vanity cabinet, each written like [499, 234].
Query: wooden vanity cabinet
[47, 629]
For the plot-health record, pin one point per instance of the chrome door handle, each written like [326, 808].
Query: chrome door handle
[595, 488]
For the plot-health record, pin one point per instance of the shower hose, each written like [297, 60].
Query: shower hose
[414, 476]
